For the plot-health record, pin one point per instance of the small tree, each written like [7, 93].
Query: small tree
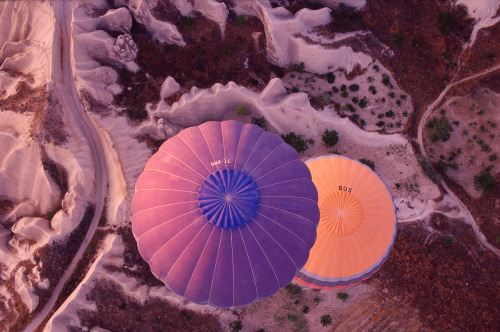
[426, 166]
[398, 40]
[293, 289]
[330, 137]
[353, 87]
[236, 326]
[330, 77]
[326, 320]
[342, 296]
[241, 110]
[136, 113]
[240, 20]
[446, 22]
[440, 128]
[484, 181]
[296, 141]
[368, 163]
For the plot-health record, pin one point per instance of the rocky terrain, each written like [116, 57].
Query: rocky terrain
[89, 90]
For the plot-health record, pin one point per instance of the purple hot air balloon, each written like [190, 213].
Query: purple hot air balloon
[225, 213]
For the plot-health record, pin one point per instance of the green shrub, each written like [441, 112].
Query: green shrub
[330, 77]
[330, 137]
[240, 20]
[446, 22]
[261, 122]
[376, 67]
[235, 326]
[298, 68]
[293, 289]
[372, 90]
[448, 240]
[386, 80]
[344, 94]
[226, 50]
[305, 309]
[363, 102]
[440, 128]
[296, 141]
[335, 89]
[342, 296]
[428, 170]
[492, 157]
[326, 320]
[136, 113]
[484, 181]
[368, 163]
[353, 87]
[184, 314]
[485, 147]
[186, 21]
[380, 124]
[325, 98]
[398, 40]
[241, 110]
[352, 18]
[348, 107]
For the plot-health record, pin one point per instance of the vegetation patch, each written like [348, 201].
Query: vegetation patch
[440, 128]
[330, 137]
[298, 142]
[484, 181]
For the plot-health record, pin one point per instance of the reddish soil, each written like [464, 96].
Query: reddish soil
[118, 312]
[484, 54]
[486, 209]
[25, 99]
[56, 171]
[212, 58]
[445, 275]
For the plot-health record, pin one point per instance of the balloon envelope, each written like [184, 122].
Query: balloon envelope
[357, 224]
[225, 213]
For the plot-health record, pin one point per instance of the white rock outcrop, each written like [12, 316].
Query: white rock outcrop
[164, 32]
[169, 87]
[284, 45]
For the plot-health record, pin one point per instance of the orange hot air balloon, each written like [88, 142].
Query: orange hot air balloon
[357, 224]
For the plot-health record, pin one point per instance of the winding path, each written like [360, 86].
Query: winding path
[468, 216]
[62, 79]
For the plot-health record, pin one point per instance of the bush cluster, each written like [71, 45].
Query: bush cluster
[330, 137]
[440, 128]
[484, 181]
[298, 142]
